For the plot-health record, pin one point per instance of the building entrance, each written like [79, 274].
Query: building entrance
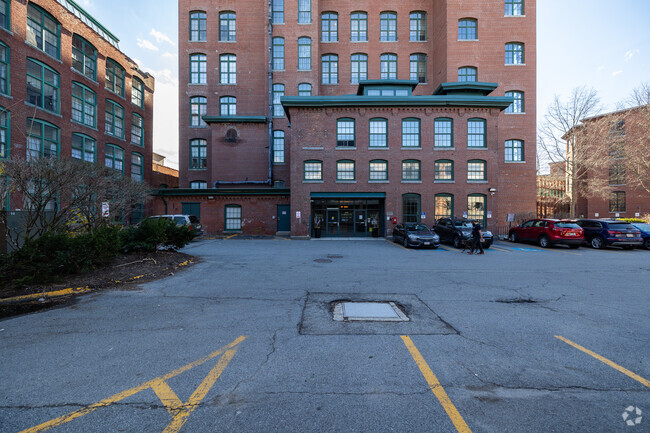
[349, 218]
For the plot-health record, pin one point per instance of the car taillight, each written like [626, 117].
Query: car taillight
[614, 232]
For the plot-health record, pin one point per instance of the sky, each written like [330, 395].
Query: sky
[601, 44]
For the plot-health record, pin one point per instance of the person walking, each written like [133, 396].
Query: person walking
[477, 238]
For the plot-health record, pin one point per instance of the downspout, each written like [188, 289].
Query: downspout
[165, 202]
[270, 84]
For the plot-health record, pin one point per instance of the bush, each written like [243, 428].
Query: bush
[632, 220]
[153, 233]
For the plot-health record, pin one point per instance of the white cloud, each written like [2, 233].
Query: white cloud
[169, 55]
[619, 72]
[163, 76]
[600, 68]
[147, 45]
[631, 53]
[161, 37]
[165, 120]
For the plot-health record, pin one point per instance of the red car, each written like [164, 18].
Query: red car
[549, 232]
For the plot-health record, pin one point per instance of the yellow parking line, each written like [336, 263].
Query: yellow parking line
[500, 249]
[612, 364]
[397, 245]
[170, 400]
[232, 236]
[436, 387]
[447, 248]
[63, 292]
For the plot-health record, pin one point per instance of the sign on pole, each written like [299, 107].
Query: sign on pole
[105, 209]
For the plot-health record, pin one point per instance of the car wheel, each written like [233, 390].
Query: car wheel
[405, 242]
[544, 241]
[574, 247]
[646, 244]
[514, 237]
[457, 242]
[597, 242]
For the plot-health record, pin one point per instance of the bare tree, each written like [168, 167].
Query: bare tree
[66, 194]
[561, 136]
[639, 97]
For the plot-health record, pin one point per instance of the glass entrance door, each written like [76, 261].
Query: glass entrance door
[346, 226]
[360, 223]
[332, 222]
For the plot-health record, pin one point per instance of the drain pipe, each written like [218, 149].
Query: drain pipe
[270, 84]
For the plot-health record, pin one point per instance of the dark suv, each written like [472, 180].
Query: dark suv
[454, 230]
[603, 233]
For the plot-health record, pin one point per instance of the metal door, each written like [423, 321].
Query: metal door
[332, 227]
[284, 218]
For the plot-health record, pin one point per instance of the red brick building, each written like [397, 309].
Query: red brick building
[66, 90]
[242, 65]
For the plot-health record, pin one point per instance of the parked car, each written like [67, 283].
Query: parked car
[603, 233]
[191, 221]
[454, 230]
[547, 232]
[644, 228]
[415, 235]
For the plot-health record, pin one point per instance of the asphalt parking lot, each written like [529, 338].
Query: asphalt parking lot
[521, 339]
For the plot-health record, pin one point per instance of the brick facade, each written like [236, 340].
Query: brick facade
[17, 41]
[246, 158]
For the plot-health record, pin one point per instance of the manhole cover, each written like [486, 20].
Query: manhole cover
[369, 311]
[323, 261]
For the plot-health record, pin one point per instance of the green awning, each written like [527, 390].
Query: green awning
[348, 195]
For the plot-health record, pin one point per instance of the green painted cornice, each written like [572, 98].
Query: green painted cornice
[176, 192]
[466, 87]
[385, 83]
[235, 119]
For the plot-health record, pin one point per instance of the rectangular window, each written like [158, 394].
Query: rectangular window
[137, 130]
[388, 67]
[304, 11]
[4, 68]
[514, 8]
[313, 170]
[233, 216]
[198, 69]
[410, 133]
[514, 53]
[378, 133]
[278, 147]
[43, 31]
[84, 105]
[411, 170]
[227, 27]
[5, 13]
[42, 139]
[304, 89]
[227, 106]
[517, 105]
[84, 57]
[359, 68]
[476, 208]
[114, 124]
[467, 73]
[42, 86]
[476, 170]
[345, 170]
[4, 133]
[330, 69]
[345, 133]
[378, 170]
[388, 26]
[278, 92]
[514, 150]
[228, 69]
[617, 174]
[411, 208]
[198, 107]
[304, 54]
[617, 201]
[114, 77]
[137, 93]
[443, 133]
[198, 26]
[198, 154]
[198, 184]
[444, 170]
[137, 167]
[278, 11]
[419, 68]
[114, 157]
[329, 27]
[278, 54]
[444, 206]
[467, 29]
[418, 27]
[359, 27]
[476, 133]
[83, 147]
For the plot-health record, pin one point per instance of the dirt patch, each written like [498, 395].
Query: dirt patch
[123, 273]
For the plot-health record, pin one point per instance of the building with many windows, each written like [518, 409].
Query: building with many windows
[67, 91]
[359, 114]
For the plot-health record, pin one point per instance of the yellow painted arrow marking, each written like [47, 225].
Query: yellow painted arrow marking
[169, 399]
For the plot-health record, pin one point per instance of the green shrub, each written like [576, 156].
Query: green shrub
[633, 220]
[153, 233]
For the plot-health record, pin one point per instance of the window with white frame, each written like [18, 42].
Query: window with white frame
[411, 132]
[443, 132]
[476, 133]
[345, 133]
[233, 217]
[378, 132]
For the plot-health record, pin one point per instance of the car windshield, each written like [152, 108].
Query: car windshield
[194, 219]
[179, 220]
[621, 226]
[566, 225]
[464, 224]
[420, 228]
[642, 226]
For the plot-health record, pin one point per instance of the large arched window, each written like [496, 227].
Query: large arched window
[514, 53]
[517, 105]
[84, 57]
[388, 26]
[329, 27]
[43, 31]
[304, 54]
[198, 26]
[467, 29]
[388, 66]
[476, 208]
[278, 54]
[467, 73]
[278, 92]
[345, 132]
[114, 77]
[198, 109]
[198, 154]
[227, 26]
[443, 206]
[330, 69]
[198, 69]
[359, 27]
[358, 68]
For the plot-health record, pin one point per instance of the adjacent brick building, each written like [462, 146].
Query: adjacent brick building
[468, 69]
[66, 90]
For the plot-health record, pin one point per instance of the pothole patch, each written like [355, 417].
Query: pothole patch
[323, 261]
[334, 256]
[368, 311]
[517, 301]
